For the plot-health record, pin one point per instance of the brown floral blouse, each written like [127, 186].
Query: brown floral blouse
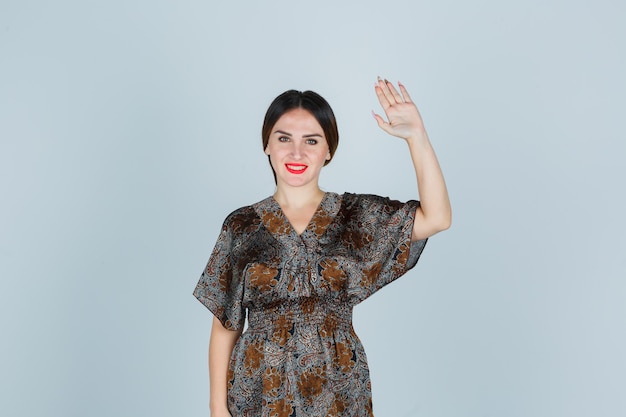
[299, 355]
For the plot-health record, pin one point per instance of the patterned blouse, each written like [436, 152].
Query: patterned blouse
[299, 355]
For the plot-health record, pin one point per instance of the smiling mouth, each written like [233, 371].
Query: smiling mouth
[296, 168]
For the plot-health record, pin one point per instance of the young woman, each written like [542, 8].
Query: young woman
[298, 261]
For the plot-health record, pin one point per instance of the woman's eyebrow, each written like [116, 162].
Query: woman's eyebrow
[282, 132]
[310, 135]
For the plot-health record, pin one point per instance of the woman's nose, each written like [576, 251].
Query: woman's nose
[296, 150]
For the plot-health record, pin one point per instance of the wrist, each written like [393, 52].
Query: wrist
[417, 138]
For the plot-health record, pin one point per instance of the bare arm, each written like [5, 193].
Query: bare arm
[405, 121]
[220, 350]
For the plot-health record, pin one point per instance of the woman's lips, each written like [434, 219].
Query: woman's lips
[296, 168]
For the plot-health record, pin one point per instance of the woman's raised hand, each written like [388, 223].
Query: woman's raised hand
[403, 117]
[403, 120]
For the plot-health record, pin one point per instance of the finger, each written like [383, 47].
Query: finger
[381, 122]
[405, 93]
[397, 97]
[383, 84]
[382, 98]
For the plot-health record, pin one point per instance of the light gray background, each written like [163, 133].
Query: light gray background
[130, 129]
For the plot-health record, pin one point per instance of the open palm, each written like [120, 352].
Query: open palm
[403, 117]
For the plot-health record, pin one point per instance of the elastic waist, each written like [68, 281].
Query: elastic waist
[304, 312]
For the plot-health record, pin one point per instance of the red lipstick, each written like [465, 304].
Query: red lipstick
[296, 168]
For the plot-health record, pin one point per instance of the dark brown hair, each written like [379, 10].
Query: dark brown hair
[309, 101]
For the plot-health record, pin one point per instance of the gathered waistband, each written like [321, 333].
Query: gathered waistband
[311, 311]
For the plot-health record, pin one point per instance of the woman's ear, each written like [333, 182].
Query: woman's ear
[267, 152]
[328, 156]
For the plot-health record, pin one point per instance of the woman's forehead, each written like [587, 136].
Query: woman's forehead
[298, 121]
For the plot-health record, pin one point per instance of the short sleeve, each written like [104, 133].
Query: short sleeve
[220, 287]
[381, 240]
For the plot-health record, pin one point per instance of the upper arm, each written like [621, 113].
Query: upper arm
[425, 227]
[222, 334]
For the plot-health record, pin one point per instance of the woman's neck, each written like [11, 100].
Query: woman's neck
[298, 197]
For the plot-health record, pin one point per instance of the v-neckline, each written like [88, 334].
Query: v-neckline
[276, 222]
[317, 210]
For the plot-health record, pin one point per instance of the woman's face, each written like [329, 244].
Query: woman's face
[297, 148]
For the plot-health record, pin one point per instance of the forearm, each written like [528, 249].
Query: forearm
[405, 121]
[220, 350]
[434, 213]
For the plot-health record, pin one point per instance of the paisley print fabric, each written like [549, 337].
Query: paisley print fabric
[299, 355]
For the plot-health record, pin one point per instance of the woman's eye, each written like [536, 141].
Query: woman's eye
[311, 141]
[283, 139]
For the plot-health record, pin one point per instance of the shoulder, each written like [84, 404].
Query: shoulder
[241, 220]
[240, 214]
[370, 202]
